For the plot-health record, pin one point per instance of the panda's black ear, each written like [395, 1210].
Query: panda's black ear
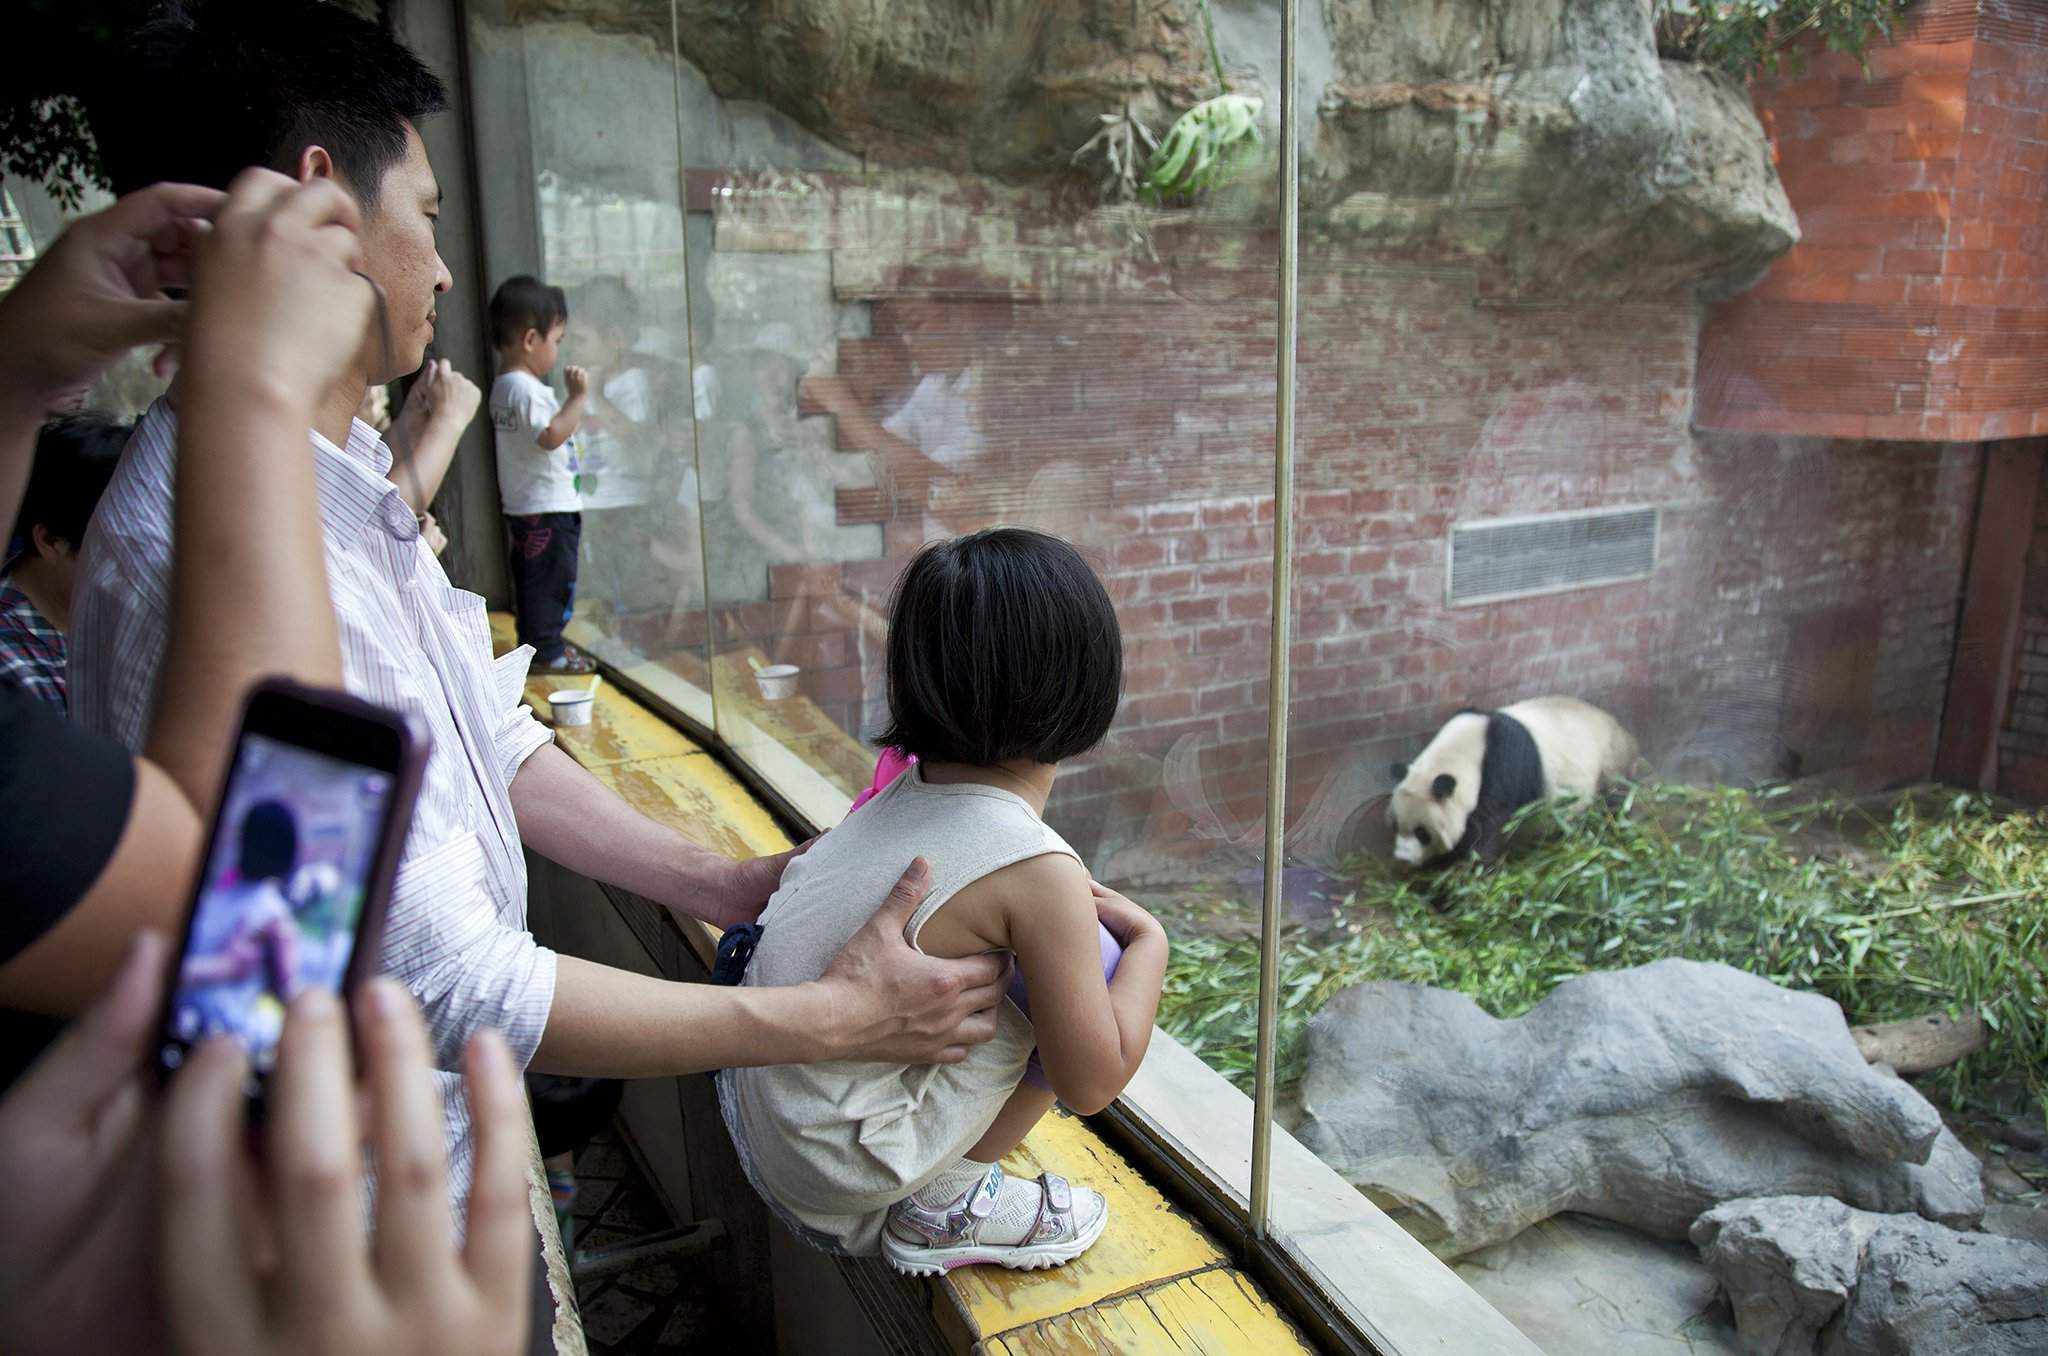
[1400, 772]
[1442, 787]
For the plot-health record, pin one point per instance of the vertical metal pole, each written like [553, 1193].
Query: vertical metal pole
[1279, 665]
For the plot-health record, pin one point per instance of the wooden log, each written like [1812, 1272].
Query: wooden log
[1922, 1044]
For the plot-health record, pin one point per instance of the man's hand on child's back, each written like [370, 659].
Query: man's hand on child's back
[893, 1004]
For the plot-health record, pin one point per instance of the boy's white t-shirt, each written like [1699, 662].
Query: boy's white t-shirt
[531, 479]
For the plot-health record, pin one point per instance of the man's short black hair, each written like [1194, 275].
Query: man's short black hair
[524, 303]
[1002, 645]
[270, 842]
[207, 88]
[75, 460]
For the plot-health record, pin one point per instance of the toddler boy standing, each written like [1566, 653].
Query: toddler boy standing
[537, 464]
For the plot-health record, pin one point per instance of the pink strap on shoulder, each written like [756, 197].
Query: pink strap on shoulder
[891, 765]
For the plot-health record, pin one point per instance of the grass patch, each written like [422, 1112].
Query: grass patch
[1942, 905]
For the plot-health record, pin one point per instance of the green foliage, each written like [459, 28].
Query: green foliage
[1206, 148]
[1929, 909]
[56, 54]
[48, 141]
[1752, 37]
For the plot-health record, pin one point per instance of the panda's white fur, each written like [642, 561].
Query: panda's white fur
[1481, 767]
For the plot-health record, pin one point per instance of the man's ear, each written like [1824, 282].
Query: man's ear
[315, 163]
[48, 545]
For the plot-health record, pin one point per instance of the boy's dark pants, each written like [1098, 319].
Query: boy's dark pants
[544, 551]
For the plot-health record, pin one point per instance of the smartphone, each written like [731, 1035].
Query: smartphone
[297, 874]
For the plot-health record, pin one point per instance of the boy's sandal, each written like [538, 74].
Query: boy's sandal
[922, 1240]
[569, 661]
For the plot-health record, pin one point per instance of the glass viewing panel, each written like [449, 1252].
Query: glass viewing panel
[1577, 420]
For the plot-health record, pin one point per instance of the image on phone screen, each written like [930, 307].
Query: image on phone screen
[285, 882]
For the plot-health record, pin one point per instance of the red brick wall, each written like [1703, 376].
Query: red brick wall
[2023, 746]
[1801, 617]
[1916, 303]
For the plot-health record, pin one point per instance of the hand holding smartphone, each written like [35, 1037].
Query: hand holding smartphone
[297, 873]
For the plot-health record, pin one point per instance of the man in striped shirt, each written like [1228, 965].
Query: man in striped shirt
[310, 90]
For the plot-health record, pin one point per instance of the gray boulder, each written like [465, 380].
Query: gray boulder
[1807, 1276]
[1643, 1096]
[1578, 1285]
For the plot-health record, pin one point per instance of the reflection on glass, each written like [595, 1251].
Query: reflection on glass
[1561, 433]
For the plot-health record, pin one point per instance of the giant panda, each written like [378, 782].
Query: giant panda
[1457, 796]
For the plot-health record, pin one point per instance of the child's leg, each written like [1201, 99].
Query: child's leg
[544, 548]
[569, 543]
[529, 540]
[1026, 1107]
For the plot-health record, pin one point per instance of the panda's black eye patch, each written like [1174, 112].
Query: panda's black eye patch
[1422, 837]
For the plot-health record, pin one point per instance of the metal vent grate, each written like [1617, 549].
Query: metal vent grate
[1518, 557]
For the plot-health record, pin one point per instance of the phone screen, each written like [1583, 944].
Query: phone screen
[284, 886]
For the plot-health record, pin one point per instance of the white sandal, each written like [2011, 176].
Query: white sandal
[922, 1240]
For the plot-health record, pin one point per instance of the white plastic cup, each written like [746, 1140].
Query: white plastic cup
[776, 681]
[570, 706]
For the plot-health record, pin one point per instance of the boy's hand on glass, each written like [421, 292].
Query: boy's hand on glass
[1126, 921]
[278, 300]
[75, 1257]
[893, 1004]
[99, 291]
[578, 382]
[272, 1256]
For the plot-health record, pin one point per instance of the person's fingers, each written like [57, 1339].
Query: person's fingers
[139, 215]
[321, 202]
[975, 1028]
[499, 1249]
[73, 1082]
[167, 360]
[210, 1283]
[904, 896]
[344, 247]
[136, 324]
[983, 981]
[251, 195]
[314, 1164]
[148, 265]
[413, 1219]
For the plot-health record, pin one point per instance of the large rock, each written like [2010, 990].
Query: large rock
[1542, 139]
[1808, 1275]
[1578, 1285]
[1643, 1096]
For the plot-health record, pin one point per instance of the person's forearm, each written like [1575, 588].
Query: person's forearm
[562, 425]
[20, 420]
[249, 578]
[420, 468]
[572, 818]
[1134, 995]
[608, 1023]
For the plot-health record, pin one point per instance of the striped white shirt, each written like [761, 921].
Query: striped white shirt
[409, 640]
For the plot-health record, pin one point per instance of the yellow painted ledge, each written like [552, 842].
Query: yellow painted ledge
[1212, 1313]
[1154, 1283]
